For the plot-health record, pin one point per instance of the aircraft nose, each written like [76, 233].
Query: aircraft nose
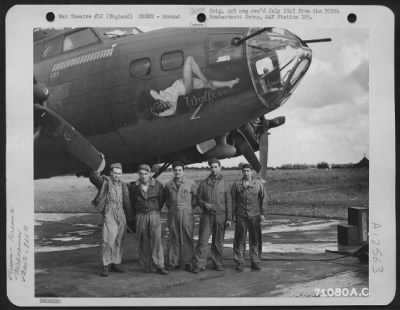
[277, 61]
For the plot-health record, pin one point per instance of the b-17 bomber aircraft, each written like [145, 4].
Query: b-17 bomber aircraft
[188, 94]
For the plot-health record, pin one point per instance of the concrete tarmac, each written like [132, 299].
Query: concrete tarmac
[294, 263]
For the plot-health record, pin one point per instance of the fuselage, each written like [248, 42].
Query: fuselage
[101, 86]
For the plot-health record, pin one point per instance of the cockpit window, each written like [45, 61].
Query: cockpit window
[52, 47]
[115, 33]
[78, 39]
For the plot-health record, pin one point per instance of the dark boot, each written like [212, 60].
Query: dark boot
[188, 267]
[240, 267]
[255, 266]
[117, 268]
[162, 271]
[219, 268]
[195, 269]
[105, 270]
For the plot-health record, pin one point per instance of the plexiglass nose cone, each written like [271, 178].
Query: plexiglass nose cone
[277, 61]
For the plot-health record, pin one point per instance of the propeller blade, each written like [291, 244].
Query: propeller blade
[76, 144]
[263, 148]
[161, 170]
[244, 147]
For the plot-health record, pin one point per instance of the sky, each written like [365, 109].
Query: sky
[327, 117]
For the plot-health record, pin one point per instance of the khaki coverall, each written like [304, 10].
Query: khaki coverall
[180, 200]
[116, 211]
[146, 207]
[215, 192]
[247, 205]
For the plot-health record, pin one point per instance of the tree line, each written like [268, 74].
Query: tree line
[320, 165]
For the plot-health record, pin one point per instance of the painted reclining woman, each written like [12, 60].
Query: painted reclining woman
[169, 96]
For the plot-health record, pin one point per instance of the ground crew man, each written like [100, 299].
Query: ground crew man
[247, 208]
[113, 202]
[180, 198]
[147, 198]
[214, 198]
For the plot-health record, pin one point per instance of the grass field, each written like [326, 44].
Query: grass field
[310, 192]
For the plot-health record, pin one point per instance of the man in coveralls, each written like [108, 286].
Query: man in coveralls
[180, 198]
[247, 208]
[147, 198]
[112, 201]
[215, 200]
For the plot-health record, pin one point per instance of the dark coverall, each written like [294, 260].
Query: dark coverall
[213, 192]
[116, 211]
[180, 198]
[247, 206]
[146, 208]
